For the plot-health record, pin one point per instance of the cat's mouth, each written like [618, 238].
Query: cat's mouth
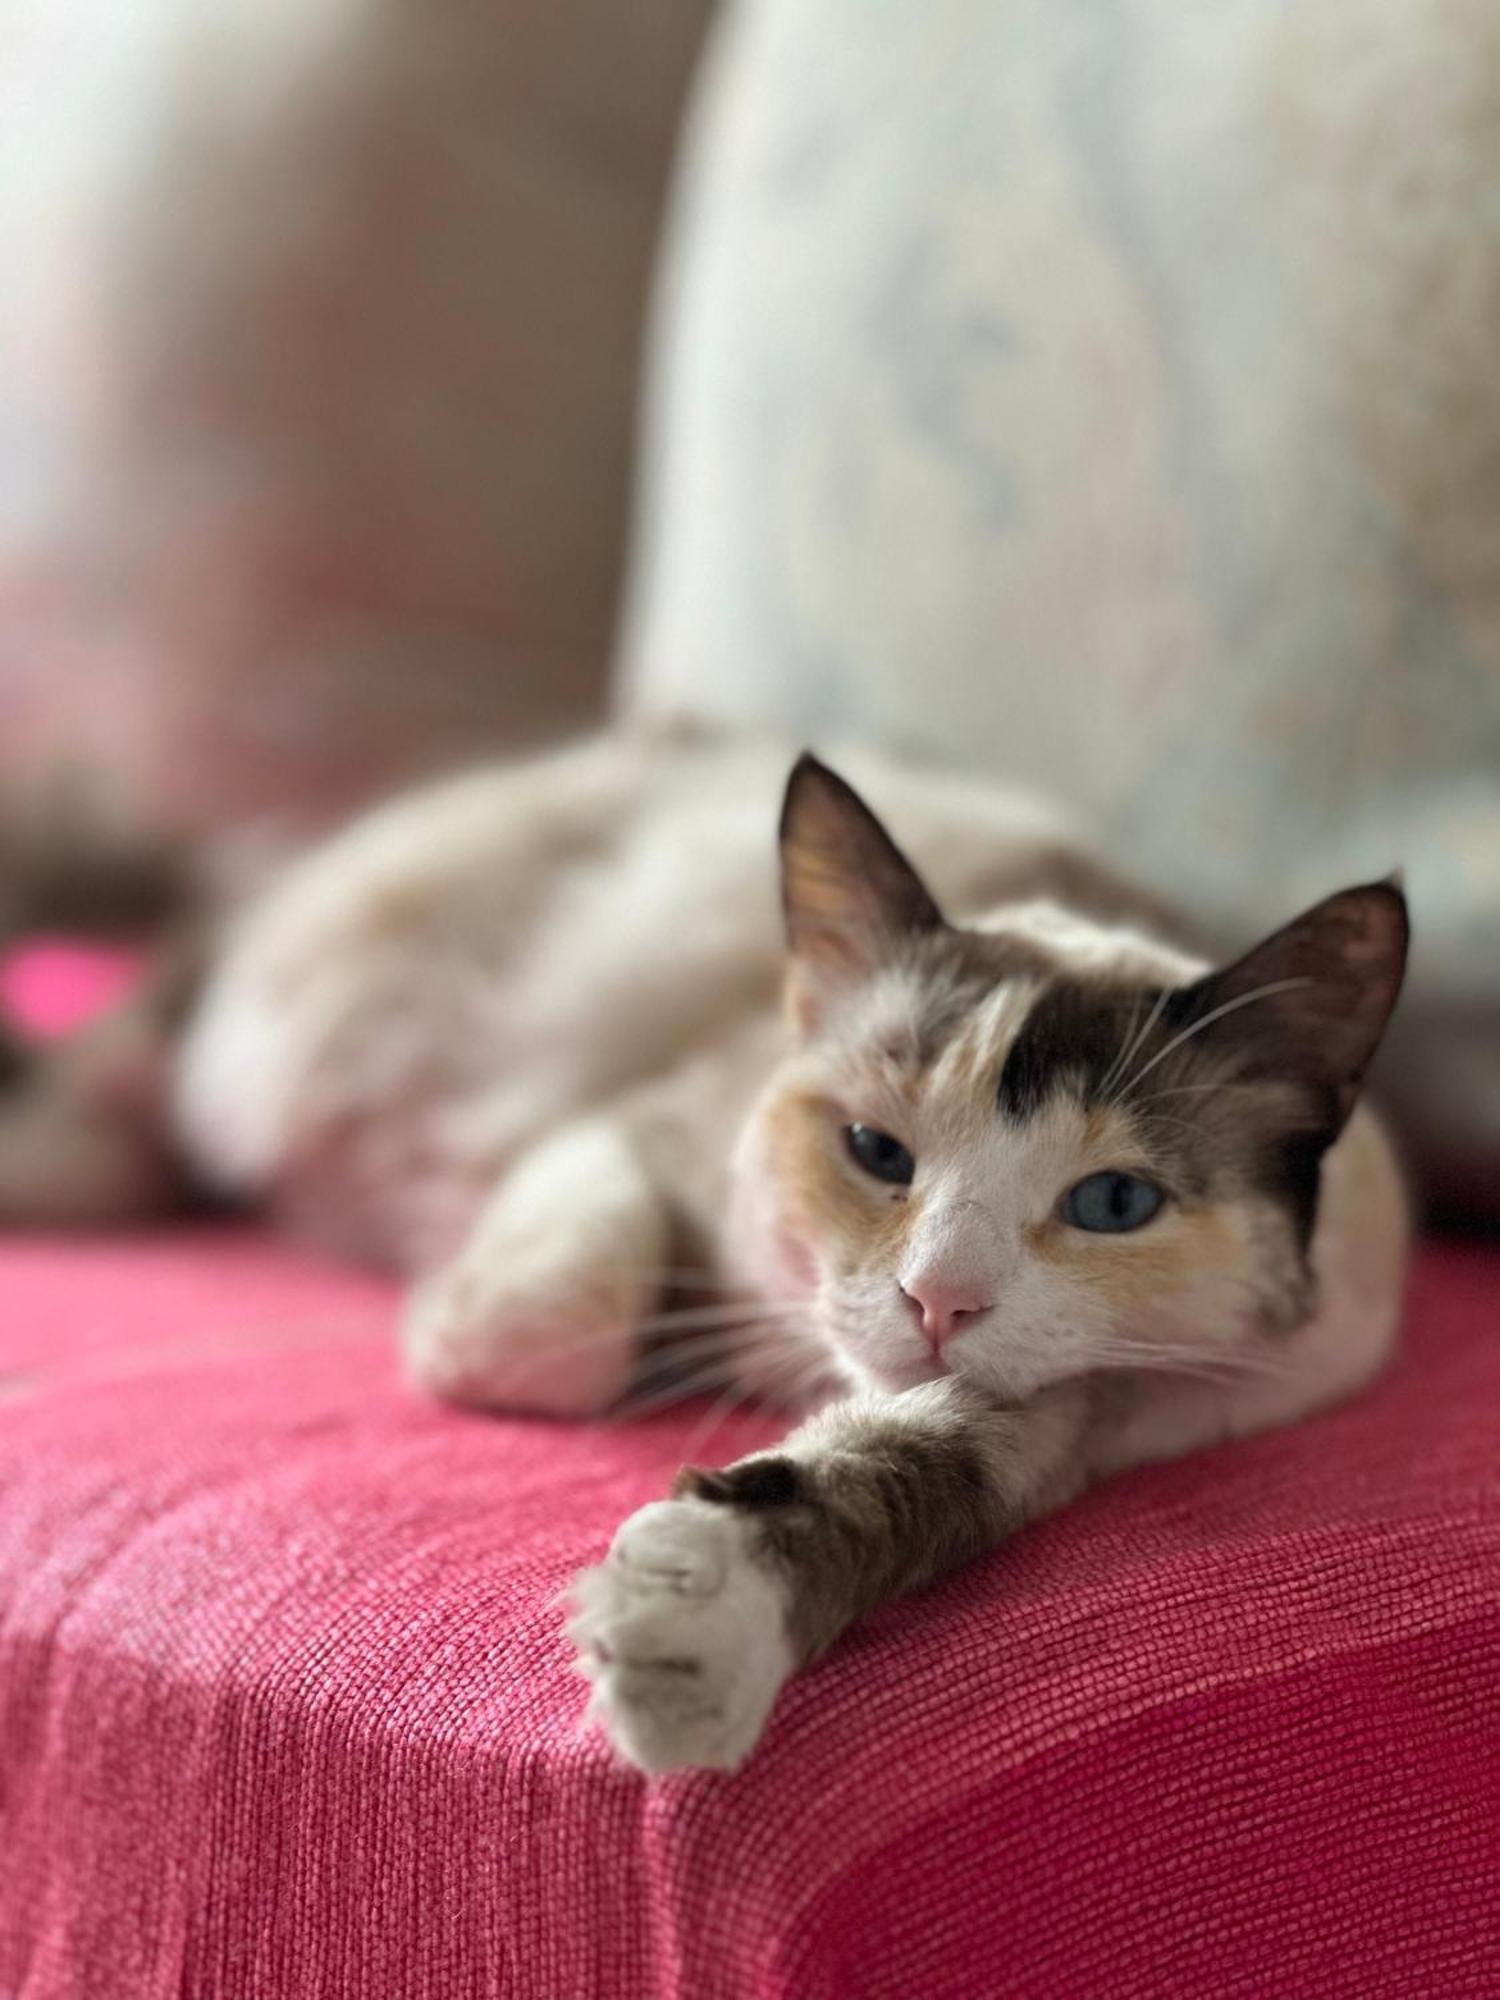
[894, 1372]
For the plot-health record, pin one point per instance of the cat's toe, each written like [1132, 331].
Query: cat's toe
[682, 1631]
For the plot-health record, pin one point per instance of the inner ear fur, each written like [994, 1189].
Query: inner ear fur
[850, 897]
[1312, 1000]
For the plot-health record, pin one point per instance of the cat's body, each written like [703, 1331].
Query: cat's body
[470, 968]
[1018, 1205]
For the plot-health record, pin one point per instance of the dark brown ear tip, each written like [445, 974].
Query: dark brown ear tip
[1387, 912]
[807, 770]
[1391, 891]
[808, 777]
[1388, 894]
[806, 764]
[1394, 887]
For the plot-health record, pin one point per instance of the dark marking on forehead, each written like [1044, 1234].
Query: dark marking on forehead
[1075, 1037]
[1224, 1101]
[1221, 1115]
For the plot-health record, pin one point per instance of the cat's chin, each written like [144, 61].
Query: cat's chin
[891, 1376]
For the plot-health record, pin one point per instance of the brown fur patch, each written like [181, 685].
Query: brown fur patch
[893, 1508]
[754, 1483]
[1138, 1270]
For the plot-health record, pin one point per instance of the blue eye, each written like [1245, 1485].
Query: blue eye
[879, 1154]
[1109, 1204]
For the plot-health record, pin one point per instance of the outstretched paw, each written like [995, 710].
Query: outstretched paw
[682, 1631]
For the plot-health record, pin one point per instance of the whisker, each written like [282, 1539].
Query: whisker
[685, 1390]
[679, 1335]
[1166, 1118]
[762, 1345]
[1207, 1020]
[1195, 1090]
[684, 1277]
[677, 1353]
[1138, 1043]
[1122, 1054]
[648, 1365]
[689, 1317]
[1199, 1362]
[735, 1397]
[798, 1384]
[745, 1344]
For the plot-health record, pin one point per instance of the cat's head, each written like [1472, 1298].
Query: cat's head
[1017, 1152]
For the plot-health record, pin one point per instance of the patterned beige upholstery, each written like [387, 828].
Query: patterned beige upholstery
[1105, 395]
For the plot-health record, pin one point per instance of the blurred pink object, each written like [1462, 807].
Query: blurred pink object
[51, 986]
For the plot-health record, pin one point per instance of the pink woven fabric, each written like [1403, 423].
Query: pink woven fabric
[285, 1711]
[286, 1714]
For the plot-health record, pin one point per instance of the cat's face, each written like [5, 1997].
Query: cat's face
[1025, 1152]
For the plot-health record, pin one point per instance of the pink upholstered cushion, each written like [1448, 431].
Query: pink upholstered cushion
[286, 1712]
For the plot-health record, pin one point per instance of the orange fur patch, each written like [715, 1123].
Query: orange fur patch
[868, 1221]
[1141, 1269]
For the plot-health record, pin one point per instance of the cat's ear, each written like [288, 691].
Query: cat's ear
[851, 898]
[1312, 1000]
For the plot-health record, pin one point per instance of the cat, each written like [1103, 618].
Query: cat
[1001, 1206]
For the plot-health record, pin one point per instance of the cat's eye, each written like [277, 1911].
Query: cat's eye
[1109, 1204]
[879, 1154]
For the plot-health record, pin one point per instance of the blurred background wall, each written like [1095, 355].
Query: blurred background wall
[1098, 393]
[319, 332]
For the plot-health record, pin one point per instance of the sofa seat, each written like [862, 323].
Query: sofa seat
[286, 1712]
[285, 1709]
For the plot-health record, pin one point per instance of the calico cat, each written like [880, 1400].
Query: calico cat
[1007, 1205]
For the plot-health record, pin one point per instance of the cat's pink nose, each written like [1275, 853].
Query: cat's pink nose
[942, 1308]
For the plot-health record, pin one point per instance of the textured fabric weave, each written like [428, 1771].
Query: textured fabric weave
[286, 1712]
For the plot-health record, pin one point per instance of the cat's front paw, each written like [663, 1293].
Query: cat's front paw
[682, 1631]
[472, 1338]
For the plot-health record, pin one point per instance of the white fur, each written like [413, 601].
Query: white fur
[989, 1183]
[682, 1632]
[992, 1184]
[503, 1035]
[428, 1043]
[424, 998]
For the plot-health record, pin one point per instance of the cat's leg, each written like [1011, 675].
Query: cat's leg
[707, 1602]
[540, 1308]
